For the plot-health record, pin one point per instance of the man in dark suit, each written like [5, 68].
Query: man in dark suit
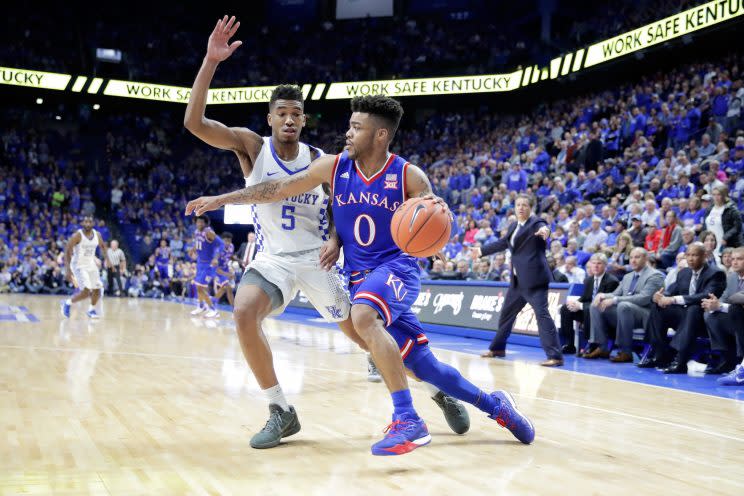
[680, 307]
[247, 251]
[725, 319]
[624, 309]
[598, 281]
[530, 277]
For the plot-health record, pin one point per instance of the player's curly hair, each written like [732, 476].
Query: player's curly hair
[286, 92]
[385, 108]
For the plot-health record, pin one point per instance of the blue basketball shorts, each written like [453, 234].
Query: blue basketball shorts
[391, 289]
[204, 274]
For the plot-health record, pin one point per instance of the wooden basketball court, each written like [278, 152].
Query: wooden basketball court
[151, 401]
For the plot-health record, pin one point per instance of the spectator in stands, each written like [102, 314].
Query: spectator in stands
[671, 240]
[516, 180]
[626, 308]
[680, 307]
[652, 243]
[725, 321]
[726, 259]
[572, 271]
[619, 260]
[651, 214]
[723, 219]
[637, 232]
[553, 263]
[596, 236]
[572, 249]
[671, 275]
[710, 243]
[436, 270]
[597, 281]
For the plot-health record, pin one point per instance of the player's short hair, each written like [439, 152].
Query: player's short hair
[388, 110]
[204, 218]
[227, 235]
[286, 92]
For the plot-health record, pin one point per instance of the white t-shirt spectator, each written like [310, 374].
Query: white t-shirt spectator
[116, 195]
[714, 223]
[594, 239]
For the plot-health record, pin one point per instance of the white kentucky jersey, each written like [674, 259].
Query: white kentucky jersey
[295, 224]
[84, 253]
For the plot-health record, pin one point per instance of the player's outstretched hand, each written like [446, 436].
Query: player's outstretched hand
[329, 253]
[217, 47]
[203, 204]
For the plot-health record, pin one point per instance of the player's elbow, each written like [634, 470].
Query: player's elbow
[192, 122]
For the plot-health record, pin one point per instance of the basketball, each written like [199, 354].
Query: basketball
[421, 227]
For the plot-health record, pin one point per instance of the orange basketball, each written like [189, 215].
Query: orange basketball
[420, 227]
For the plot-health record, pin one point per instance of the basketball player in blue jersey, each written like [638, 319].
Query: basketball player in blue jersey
[162, 259]
[368, 183]
[224, 276]
[290, 234]
[208, 247]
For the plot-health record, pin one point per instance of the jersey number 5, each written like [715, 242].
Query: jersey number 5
[288, 218]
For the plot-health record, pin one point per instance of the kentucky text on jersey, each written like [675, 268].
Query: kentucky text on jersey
[304, 199]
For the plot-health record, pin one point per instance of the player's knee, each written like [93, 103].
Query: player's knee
[364, 318]
[85, 292]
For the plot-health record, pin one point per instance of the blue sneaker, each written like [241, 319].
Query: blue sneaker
[403, 435]
[733, 378]
[507, 415]
[93, 314]
[65, 307]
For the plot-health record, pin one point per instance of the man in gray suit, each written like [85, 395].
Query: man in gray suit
[625, 309]
[725, 319]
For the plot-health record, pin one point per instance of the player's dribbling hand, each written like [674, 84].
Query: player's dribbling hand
[329, 253]
[217, 47]
[203, 204]
[439, 201]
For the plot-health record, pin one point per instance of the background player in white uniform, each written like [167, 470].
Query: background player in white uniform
[81, 268]
[290, 234]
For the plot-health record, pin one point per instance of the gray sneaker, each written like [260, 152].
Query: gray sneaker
[280, 424]
[373, 374]
[454, 412]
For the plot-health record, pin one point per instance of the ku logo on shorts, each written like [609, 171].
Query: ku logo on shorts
[398, 286]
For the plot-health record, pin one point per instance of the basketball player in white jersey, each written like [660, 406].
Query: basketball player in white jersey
[81, 269]
[291, 236]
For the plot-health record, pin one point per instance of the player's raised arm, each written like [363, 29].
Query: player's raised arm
[241, 140]
[317, 173]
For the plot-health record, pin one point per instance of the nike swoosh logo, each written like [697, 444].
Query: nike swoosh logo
[272, 173]
[418, 210]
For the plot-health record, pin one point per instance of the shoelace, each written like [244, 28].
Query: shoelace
[397, 426]
[273, 422]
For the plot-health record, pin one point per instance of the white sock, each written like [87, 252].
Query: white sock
[91, 307]
[433, 390]
[68, 301]
[275, 396]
